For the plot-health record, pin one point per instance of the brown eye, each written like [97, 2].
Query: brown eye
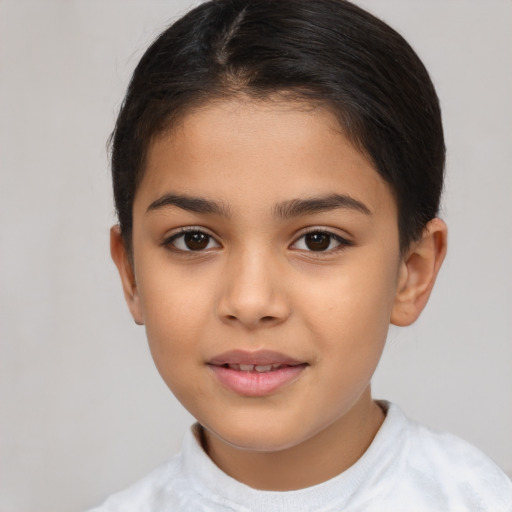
[320, 241]
[188, 241]
[317, 241]
[196, 241]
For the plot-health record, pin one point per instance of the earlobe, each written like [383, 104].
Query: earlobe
[124, 266]
[418, 273]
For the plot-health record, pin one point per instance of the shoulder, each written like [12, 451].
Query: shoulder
[149, 494]
[172, 486]
[459, 476]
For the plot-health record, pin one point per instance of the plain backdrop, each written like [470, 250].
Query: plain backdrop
[82, 410]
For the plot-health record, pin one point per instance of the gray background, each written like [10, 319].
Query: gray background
[82, 410]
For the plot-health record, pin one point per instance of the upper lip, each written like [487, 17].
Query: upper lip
[259, 357]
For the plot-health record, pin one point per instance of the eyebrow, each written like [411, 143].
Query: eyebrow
[191, 204]
[284, 210]
[298, 207]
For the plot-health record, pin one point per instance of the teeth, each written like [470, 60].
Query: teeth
[255, 367]
[263, 368]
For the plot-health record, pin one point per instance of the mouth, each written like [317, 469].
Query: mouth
[260, 368]
[256, 373]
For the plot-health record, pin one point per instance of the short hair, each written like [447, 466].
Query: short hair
[327, 52]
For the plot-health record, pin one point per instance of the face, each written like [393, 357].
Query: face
[266, 264]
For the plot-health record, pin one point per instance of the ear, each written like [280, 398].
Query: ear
[418, 272]
[124, 266]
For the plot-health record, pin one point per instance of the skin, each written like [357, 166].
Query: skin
[257, 284]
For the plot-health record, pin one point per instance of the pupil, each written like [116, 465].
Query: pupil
[196, 241]
[317, 241]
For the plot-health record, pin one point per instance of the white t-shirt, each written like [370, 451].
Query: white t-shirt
[408, 467]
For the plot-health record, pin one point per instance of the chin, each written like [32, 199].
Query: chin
[273, 437]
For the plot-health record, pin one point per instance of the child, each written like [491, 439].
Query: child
[277, 169]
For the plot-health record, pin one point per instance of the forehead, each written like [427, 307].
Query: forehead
[244, 150]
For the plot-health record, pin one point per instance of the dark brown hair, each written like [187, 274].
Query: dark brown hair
[324, 51]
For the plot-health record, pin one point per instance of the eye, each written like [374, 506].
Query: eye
[320, 241]
[191, 240]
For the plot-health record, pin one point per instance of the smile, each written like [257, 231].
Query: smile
[261, 368]
[255, 374]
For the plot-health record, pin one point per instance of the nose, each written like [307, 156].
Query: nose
[254, 292]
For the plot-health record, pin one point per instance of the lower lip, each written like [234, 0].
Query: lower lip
[255, 383]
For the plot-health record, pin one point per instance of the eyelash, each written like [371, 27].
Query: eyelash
[169, 242]
[343, 243]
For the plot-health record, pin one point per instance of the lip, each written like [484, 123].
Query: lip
[259, 357]
[255, 382]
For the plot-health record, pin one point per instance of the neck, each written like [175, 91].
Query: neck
[317, 459]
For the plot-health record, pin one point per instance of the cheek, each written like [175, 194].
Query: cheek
[349, 326]
[349, 310]
[174, 332]
[176, 313]
[172, 296]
